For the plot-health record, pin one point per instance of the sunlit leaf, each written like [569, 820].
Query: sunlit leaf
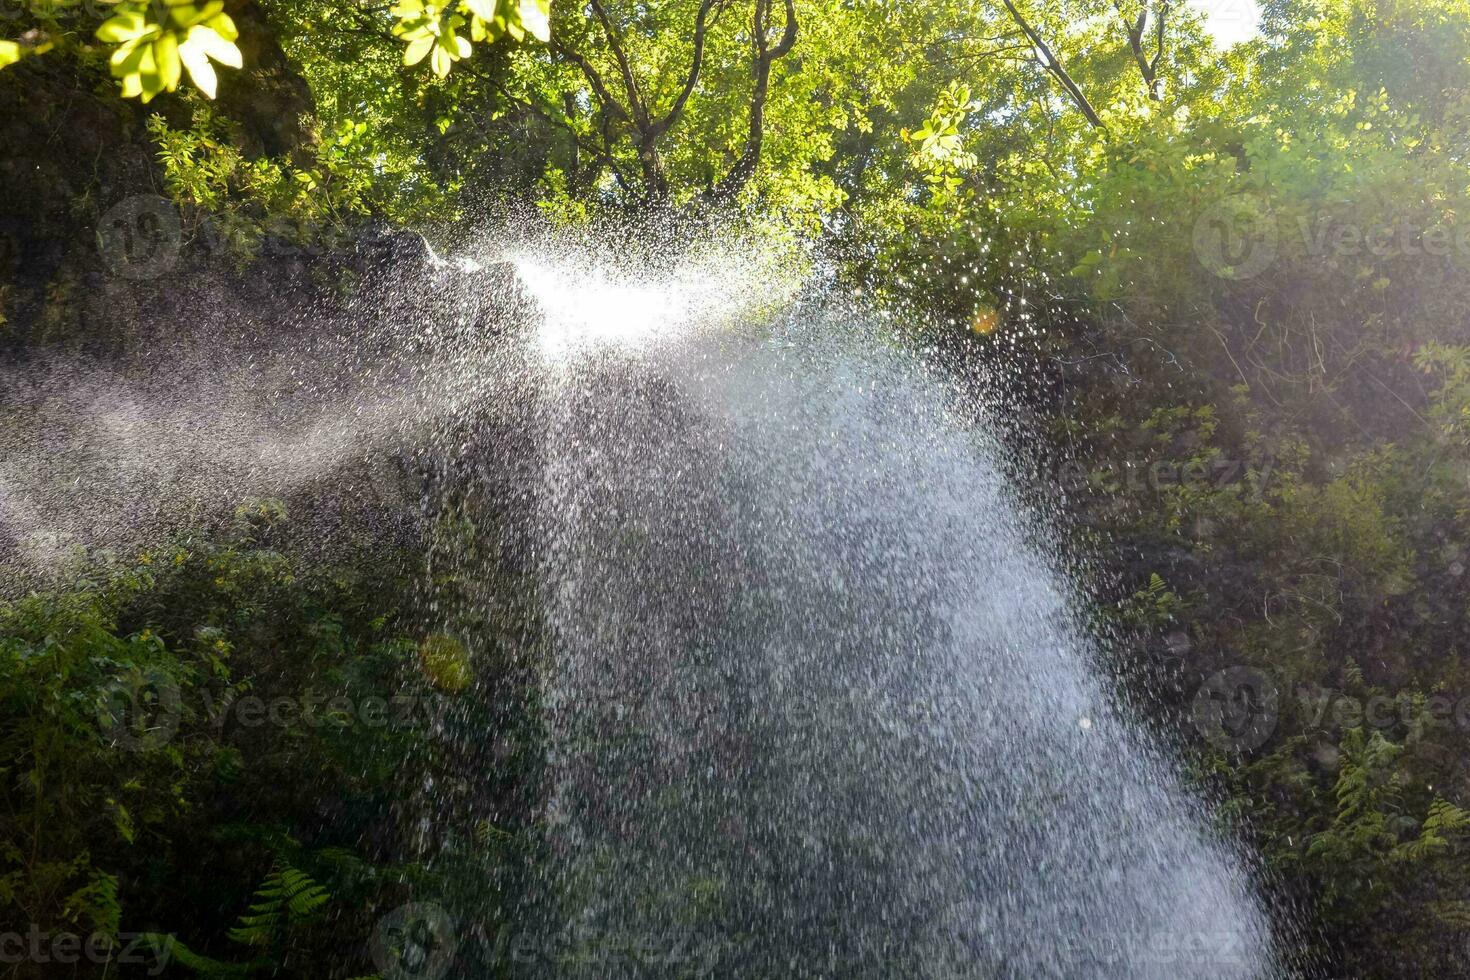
[418, 49]
[166, 59]
[536, 17]
[201, 72]
[124, 26]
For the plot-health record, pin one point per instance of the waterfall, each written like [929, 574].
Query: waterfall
[815, 694]
[819, 704]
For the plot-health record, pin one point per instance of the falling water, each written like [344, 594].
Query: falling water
[819, 704]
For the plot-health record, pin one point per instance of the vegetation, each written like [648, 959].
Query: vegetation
[211, 757]
[1234, 278]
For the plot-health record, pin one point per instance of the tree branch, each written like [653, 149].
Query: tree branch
[594, 79]
[1159, 48]
[1052, 64]
[702, 22]
[630, 81]
[600, 154]
[765, 56]
[788, 37]
[1147, 67]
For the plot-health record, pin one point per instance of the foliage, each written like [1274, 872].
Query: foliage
[311, 202]
[156, 43]
[285, 897]
[939, 152]
[154, 770]
[432, 30]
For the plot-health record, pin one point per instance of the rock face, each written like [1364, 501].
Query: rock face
[78, 161]
[270, 103]
[67, 151]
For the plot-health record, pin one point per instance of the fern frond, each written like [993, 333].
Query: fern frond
[1453, 913]
[1445, 817]
[489, 835]
[287, 896]
[170, 949]
[1443, 821]
[97, 903]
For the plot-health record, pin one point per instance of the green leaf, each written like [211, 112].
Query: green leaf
[122, 820]
[536, 16]
[170, 69]
[211, 42]
[126, 25]
[418, 49]
[442, 60]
